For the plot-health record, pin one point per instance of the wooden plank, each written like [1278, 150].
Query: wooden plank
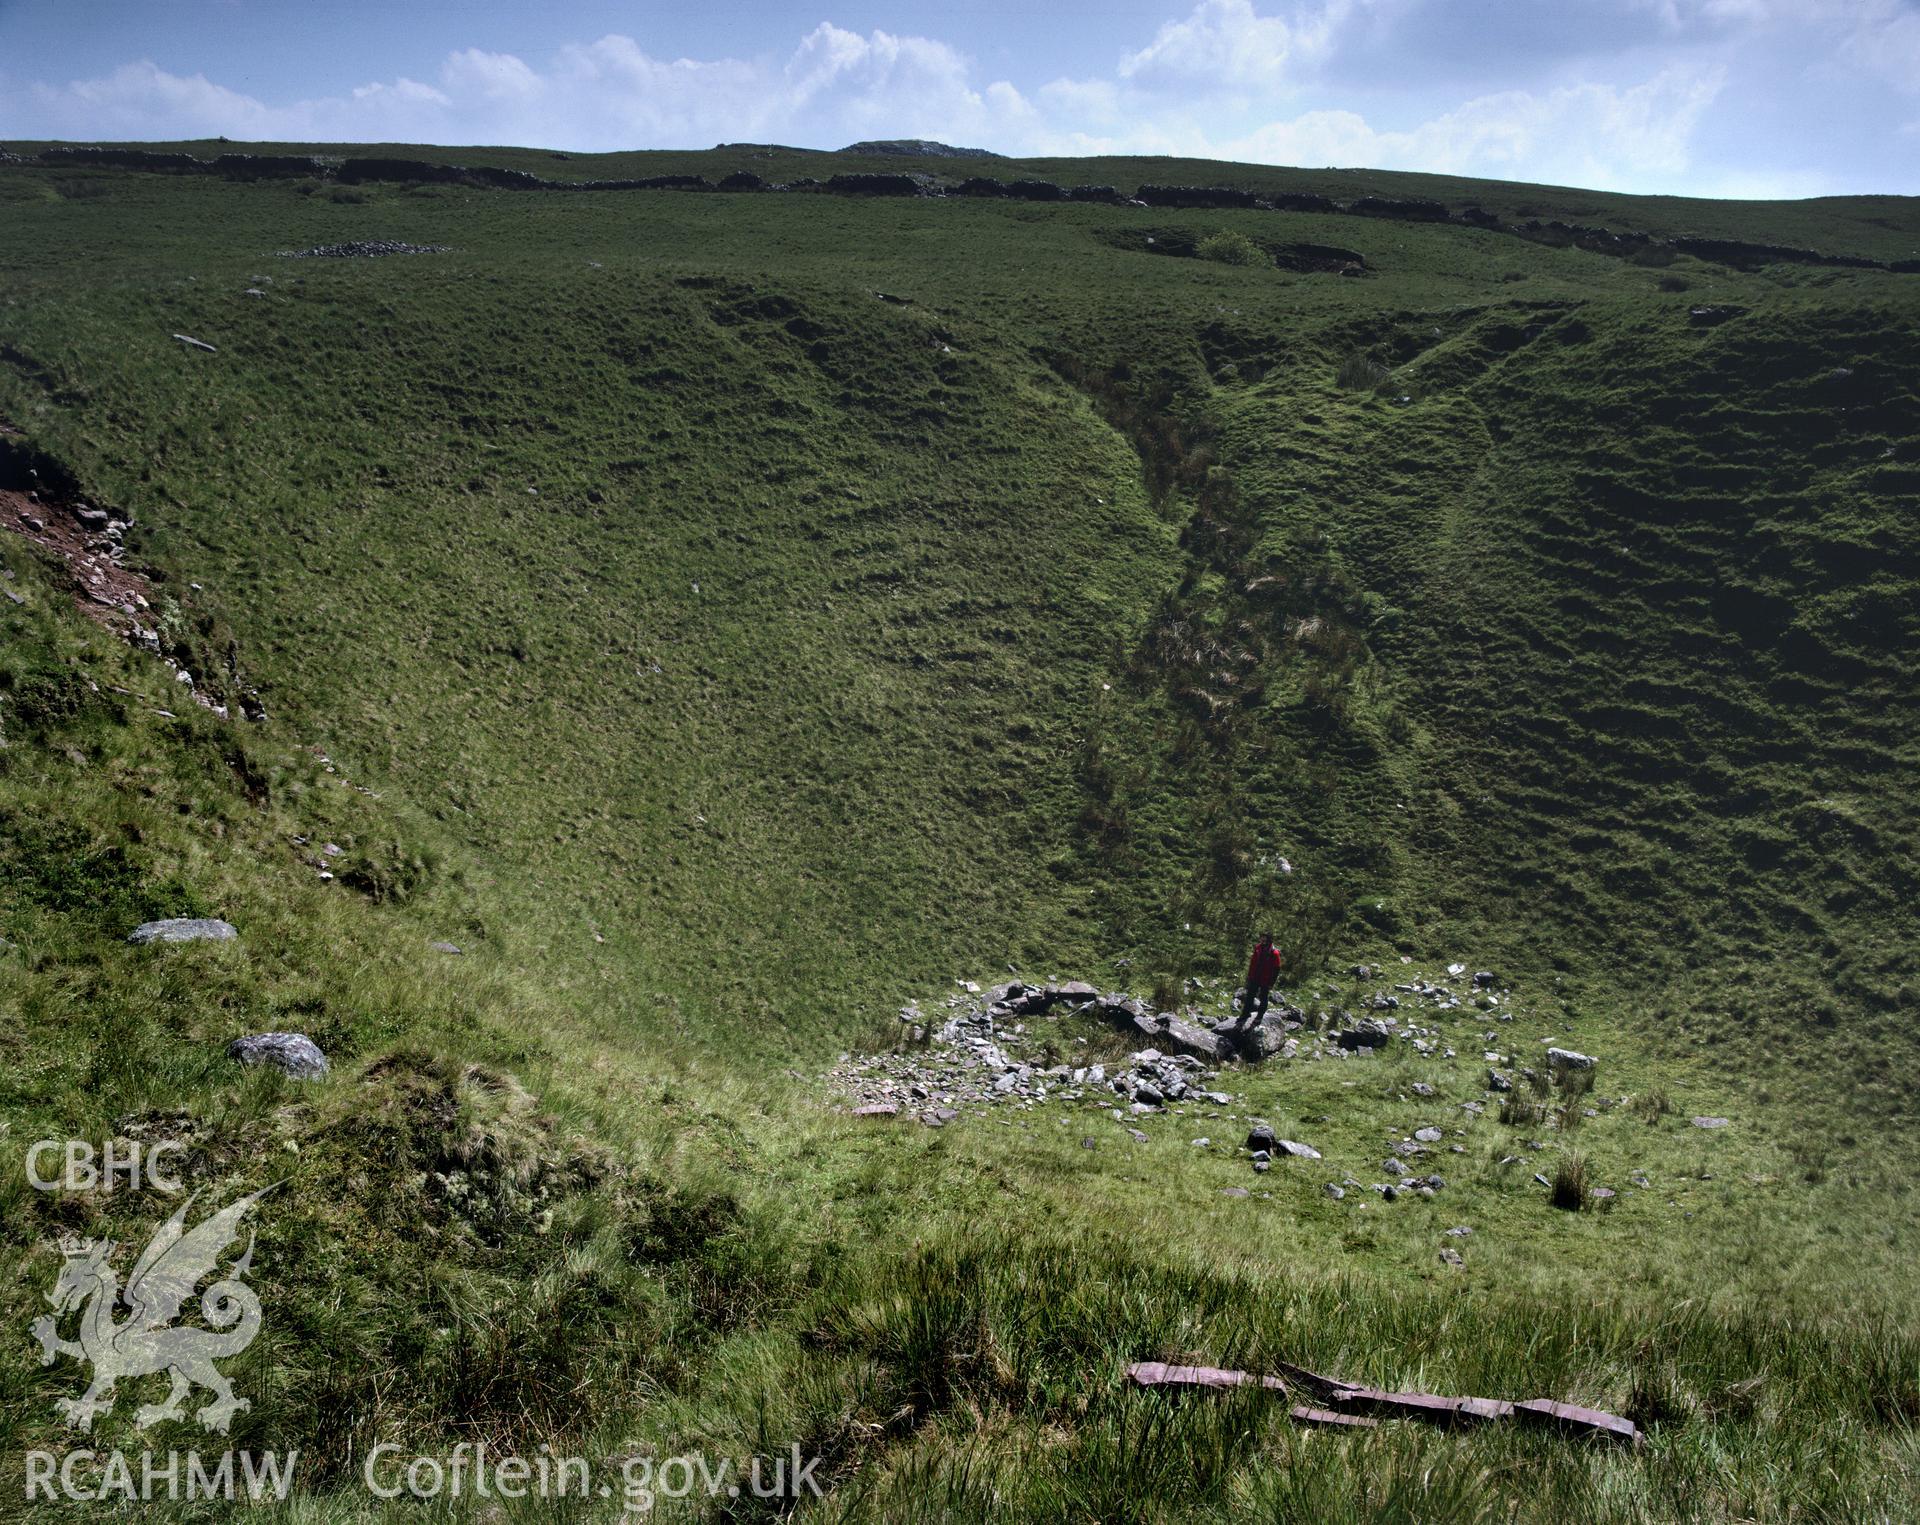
[1326, 1418]
[1575, 1420]
[1159, 1374]
[1355, 1407]
[1312, 1381]
[1435, 1408]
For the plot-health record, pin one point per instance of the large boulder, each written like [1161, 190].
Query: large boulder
[1567, 1059]
[183, 929]
[1262, 1041]
[293, 1054]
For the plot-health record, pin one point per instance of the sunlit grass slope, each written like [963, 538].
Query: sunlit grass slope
[749, 612]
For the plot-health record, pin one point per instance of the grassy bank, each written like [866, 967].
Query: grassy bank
[725, 618]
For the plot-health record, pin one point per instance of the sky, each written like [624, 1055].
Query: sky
[1761, 98]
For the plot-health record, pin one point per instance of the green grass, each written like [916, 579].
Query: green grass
[722, 654]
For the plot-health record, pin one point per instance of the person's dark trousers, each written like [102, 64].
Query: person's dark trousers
[1254, 1006]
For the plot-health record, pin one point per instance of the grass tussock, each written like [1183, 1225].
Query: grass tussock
[1570, 1187]
[1361, 373]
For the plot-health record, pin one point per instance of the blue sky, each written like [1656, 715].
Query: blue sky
[1700, 97]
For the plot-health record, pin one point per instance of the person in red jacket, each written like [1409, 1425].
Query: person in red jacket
[1262, 970]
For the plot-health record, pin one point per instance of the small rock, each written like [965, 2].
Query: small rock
[293, 1054]
[1333, 1191]
[1427, 1135]
[877, 1109]
[445, 947]
[182, 929]
[1710, 1122]
[1235, 1191]
[1453, 1257]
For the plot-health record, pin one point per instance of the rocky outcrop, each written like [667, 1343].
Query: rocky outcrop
[1398, 210]
[183, 929]
[421, 172]
[1302, 201]
[405, 171]
[1194, 196]
[1012, 190]
[878, 185]
[916, 148]
[1746, 256]
[1327, 259]
[295, 1055]
[503, 179]
[123, 158]
[363, 249]
[269, 166]
[650, 183]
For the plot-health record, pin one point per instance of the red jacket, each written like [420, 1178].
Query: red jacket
[1265, 966]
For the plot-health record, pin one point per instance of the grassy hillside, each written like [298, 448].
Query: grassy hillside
[726, 617]
[1880, 227]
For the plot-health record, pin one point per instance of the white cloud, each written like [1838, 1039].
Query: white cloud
[1224, 42]
[1886, 41]
[890, 86]
[1877, 37]
[491, 76]
[130, 101]
[1607, 138]
[1206, 85]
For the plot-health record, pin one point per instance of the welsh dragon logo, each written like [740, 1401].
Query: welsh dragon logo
[174, 1262]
